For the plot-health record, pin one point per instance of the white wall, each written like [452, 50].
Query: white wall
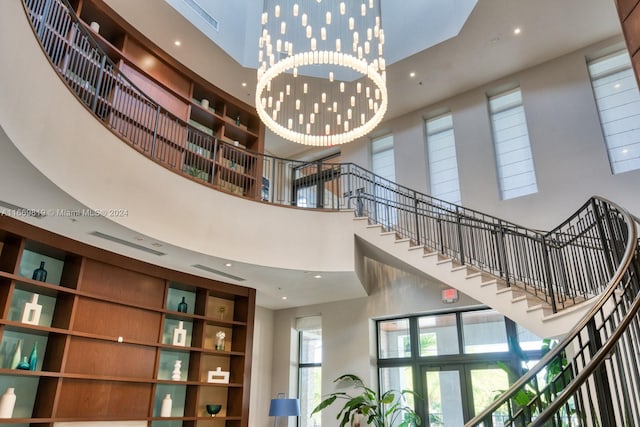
[262, 360]
[568, 148]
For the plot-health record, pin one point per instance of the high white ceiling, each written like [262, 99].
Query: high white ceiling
[238, 24]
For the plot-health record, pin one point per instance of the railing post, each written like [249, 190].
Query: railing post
[601, 382]
[44, 18]
[502, 254]
[272, 184]
[94, 103]
[417, 216]
[460, 240]
[214, 153]
[547, 273]
[155, 133]
[603, 237]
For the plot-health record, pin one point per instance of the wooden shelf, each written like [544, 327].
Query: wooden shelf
[107, 296]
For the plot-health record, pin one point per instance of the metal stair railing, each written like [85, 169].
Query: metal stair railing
[592, 377]
[563, 267]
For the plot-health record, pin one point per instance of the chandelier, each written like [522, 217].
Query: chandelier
[321, 73]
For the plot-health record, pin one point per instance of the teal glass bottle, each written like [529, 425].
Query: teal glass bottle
[33, 357]
[40, 273]
[182, 307]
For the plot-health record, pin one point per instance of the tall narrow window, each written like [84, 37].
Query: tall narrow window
[443, 164]
[309, 369]
[382, 159]
[616, 92]
[513, 150]
[383, 165]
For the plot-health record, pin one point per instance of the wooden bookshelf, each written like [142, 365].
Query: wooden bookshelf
[104, 338]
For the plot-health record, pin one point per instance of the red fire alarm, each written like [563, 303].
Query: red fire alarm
[449, 296]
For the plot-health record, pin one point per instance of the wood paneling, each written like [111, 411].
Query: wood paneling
[114, 282]
[114, 320]
[631, 27]
[95, 357]
[103, 400]
[625, 7]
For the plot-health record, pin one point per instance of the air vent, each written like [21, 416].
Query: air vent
[16, 211]
[218, 272]
[204, 14]
[126, 243]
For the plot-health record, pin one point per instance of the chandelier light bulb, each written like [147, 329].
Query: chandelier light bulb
[303, 70]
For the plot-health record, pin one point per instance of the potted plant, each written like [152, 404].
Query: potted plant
[386, 410]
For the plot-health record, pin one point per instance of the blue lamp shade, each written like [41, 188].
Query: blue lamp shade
[284, 408]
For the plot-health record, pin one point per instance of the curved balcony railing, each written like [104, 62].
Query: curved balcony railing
[590, 378]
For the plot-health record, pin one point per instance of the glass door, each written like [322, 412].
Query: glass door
[486, 383]
[444, 396]
[456, 393]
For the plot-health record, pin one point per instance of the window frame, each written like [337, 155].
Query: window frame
[430, 164]
[499, 154]
[462, 361]
[627, 67]
[306, 365]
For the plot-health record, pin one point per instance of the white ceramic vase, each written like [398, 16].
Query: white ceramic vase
[165, 409]
[7, 403]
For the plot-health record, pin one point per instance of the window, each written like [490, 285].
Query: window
[514, 161]
[309, 369]
[443, 164]
[383, 165]
[382, 159]
[455, 361]
[618, 101]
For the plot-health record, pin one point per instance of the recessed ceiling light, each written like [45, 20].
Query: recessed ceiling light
[284, 297]
[228, 264]
[412, 74]
[625, 151]
[317, 276]
[177, 42]
[616, 86]
[517, 31]
[244, 84]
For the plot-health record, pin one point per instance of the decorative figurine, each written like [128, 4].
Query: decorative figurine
[220, 340]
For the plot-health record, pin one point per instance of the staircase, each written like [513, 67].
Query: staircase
[524, 308]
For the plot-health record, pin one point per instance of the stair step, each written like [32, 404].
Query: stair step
[403, 240]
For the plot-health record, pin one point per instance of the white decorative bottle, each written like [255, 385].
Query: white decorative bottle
[7, 402]
[180, 335]
[176, 374]
[32, 311]
[165, 409]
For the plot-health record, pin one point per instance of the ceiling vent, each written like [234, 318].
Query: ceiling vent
[218, 272]
[203, 14]
[126, 243]
[16, 211]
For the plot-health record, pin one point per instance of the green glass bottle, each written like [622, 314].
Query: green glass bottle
[33, 357]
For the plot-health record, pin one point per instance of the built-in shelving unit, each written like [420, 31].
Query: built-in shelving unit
[105, 336]
[199, 129]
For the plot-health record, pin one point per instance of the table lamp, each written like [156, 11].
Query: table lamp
[283, 407]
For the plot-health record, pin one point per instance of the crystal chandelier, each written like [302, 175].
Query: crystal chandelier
[321, 73]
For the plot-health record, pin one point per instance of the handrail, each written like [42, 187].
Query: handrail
[582, 257]
[585, 348]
